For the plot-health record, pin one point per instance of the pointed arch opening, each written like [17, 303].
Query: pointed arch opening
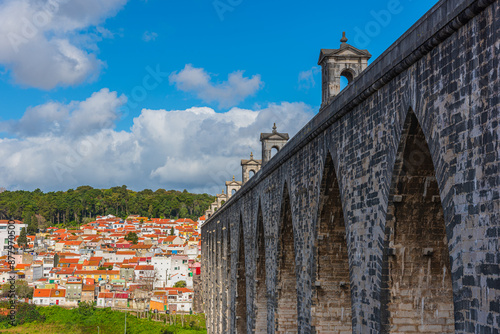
[332, 294]
[241, 286]
[286, 316]
[261, 289]
[417, 295]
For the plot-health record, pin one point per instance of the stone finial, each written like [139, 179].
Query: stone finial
[233, 178]
[275, 128]
[343, 40]
[251, 155]
[222, 191]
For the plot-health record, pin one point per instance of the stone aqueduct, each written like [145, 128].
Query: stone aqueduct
[382, 214]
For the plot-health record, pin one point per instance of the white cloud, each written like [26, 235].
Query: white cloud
[227, 94]
[40, 39]
[74, 119]
[306, 78]
[61, 146]
[149, 36]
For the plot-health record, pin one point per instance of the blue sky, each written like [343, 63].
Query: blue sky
[79, 103]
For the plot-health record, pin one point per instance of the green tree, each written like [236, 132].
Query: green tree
[172, 231]
[86, 308]
[180, 284]
[40, 210]
[21, 287]
[5, 289]
[183, 212]
[23, 290]
[33, 225]
[56, 260]
[110, 267]
[132, 237]
[22, 240]
[28, 313]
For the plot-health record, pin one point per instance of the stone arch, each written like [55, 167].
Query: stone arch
[251, 173]
[286, 313]
[274, 151]
[349, 74]
[331, 312]
[417, 294]
[241, 285]
[260, 277]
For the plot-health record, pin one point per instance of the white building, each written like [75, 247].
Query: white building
[171, 269]
[5, 227]
[49, 297]
[179, 271]
[161, 265]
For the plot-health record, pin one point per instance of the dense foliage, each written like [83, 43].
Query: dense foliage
[180, 284]
[86, 318]
[22, 289]
[72, 207]
[22, 241]
[25, 313]
[132, 237]
[28, 313]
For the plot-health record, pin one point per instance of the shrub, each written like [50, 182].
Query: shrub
[27, 313]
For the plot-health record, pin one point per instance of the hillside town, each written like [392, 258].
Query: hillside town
[137, 264]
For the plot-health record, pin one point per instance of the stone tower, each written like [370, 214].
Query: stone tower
[248, 166]
[272, 140]
[232, 186]
[347, 61]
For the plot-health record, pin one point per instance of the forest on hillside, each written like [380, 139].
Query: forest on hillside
[76, 206]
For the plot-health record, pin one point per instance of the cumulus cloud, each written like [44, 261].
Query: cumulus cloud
[97, 112]
[306, 78]
[40, 40]
[227, 94]
[197, 148]
[149, 36]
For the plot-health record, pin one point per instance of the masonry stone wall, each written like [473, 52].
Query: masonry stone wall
[423, 244]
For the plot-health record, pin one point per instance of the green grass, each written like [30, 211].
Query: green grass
[76, 321]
